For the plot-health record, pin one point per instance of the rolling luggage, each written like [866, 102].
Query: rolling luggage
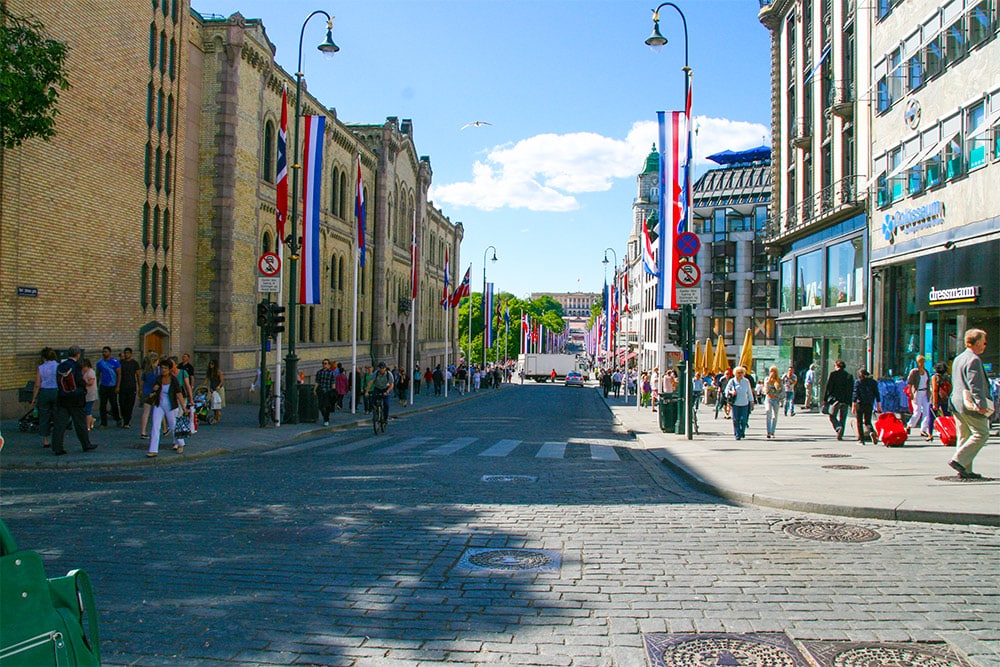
[891, 431]
[946, 428]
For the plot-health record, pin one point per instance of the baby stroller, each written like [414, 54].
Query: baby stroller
[28, 423]
[202, 405]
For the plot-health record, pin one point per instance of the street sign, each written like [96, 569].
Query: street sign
[268, 284]
[688, 244]
[688, 296]
[688, 274]
[269, 264]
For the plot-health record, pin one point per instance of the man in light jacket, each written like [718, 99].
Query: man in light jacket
[970, 403]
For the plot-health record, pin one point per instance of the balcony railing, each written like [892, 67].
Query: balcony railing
[841, 100]
[814, 210]
[801, 133]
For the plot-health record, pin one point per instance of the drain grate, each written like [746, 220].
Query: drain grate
[688, 650]
[845, 466]
[828, 531]
[956, 478]
[831, 456]
[854, 654]
[506, 479]
[110, 479]
[510, 560]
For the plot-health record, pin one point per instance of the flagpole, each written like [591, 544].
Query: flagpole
[447, 351]
[468, 362]
[354, 334]
[413, 300]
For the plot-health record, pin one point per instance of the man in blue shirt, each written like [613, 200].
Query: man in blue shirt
[109, 378]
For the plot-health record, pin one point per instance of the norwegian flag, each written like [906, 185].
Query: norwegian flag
[463, 290]
[359, 213]
[447, 281]
[281, 193]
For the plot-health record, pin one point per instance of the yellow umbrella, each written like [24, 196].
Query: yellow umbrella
[746, 352]
[721, 359]
[709, 358]
[699, 360]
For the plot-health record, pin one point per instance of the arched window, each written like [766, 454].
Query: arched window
[268, 161]
[340, 274]
[163, 289]
[166, 230]
[154, 290]
[265, 242]
[156, 230]
[334, 191]
[333, 272]
[152, 45]
[146, 215]
[167, 166]
[144, 285]
[343, 194]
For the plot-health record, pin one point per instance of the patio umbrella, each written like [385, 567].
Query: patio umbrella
[699, 359]
[746, 352]
[721, 359]
[709, 361]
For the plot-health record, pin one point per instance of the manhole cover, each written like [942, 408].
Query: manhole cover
[517, 479]
[107, 479]
[510, 560]
[845, 466]
[956, 478]
[825, 531]
[751, 650]
[854, 654]
[295, 534]
[831, 456]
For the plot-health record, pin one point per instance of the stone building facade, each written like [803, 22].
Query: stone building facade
[141, 223]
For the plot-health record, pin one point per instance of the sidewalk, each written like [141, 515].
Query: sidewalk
[805, 468]
[238, 431]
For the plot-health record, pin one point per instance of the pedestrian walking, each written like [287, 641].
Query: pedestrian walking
[740, 396]
[864, 401]
[216, 389]
[788, 381]
[326, 380]
[69, 403]
[416, 381]
[150, 374]
[90, 382]
[970, 403]
[810, 384]
[167, 396]
[918, 382]
[45, 393]
[838, 395]
[109, 373]
[773, 391]
[129, 386]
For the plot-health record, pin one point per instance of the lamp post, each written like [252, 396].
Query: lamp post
[485, 316]
[657, 41]
[328, 48]
[611, 344]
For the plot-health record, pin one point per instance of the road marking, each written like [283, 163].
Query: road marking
[452, 447]
[502, 448]
[406, 444]
[552, 450]
[603, 453]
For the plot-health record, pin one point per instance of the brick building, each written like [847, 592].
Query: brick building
[140, 223]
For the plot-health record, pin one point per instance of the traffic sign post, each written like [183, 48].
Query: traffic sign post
[269, 264]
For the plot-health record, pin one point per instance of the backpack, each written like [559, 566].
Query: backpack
[66, 380]
[943, 388]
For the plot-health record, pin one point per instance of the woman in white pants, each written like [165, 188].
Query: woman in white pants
[919, 382]
[166, 397]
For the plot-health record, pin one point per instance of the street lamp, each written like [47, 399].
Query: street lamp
[328, 48]
[485, 320]
[611, 345]
[657, 41]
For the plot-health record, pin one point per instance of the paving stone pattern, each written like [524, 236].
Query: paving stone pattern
[350, 558]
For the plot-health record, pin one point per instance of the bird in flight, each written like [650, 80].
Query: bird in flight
[476, 123]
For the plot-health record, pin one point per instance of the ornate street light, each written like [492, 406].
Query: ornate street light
[328, 48]
[485, 320]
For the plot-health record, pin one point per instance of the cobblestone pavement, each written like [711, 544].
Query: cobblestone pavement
[524, 529]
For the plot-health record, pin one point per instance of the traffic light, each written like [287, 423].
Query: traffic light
[276, 319]
[675, 333]
[262, 311]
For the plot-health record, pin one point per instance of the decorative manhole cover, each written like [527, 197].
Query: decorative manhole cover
[286, 534]
[831, 456]
[517, 479]
[105, 479]
[750, 650]
[854, 654]
[827, 531]
[956, 478]
[845, 466]
[510, 560]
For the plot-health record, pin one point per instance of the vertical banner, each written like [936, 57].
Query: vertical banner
[447, 281]
[312, 180]
[359, 214]
[281, 177]
[672, 131]
[488, 315]
[414, 258]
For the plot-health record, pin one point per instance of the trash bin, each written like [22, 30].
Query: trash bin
[308, 403]
[667, 410]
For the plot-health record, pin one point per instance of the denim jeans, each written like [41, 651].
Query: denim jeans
[772, 413]
[740, 415]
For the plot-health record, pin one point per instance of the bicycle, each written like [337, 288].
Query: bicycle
[378, 412]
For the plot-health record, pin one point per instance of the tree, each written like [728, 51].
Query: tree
[32, 73]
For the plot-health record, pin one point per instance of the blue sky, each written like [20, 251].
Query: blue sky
[571, 92]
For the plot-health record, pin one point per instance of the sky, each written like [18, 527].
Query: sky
[570, 92]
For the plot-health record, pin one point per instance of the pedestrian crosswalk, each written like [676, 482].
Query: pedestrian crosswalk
[596, 449]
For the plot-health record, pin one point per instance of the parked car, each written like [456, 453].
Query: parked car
[574, 379]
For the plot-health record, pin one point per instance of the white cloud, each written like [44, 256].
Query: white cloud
[544, 172]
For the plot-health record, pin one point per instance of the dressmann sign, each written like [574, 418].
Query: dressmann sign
[964, 277]
[910, 220]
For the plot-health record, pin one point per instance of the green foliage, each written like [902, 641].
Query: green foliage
[545, 310]
[32, 73]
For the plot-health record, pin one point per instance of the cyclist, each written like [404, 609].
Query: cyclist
[382, 384]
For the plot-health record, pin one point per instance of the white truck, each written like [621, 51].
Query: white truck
[538, 367]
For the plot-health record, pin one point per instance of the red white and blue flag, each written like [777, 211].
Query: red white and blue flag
[281, 180]
[488, 314]
[312, 179]
[463, 290]
[359, 213]
[648, 257]
[673, 151]
[447, 281]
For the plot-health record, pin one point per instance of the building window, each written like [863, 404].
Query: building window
[144, 285]
[163, 288]
[976, 133]
[152, 45]
[149, 105]
[980, 23]
[154, 289]
[809, 283]
[268, 162]
[955, 43]
[334, 192]
[166, 229]
[170, 115]
[845, 274]
[265, 242]
[146, 216]
[156, 229]
[167, 167]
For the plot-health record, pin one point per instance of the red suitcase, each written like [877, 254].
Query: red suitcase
[946, 428]
[891, 431]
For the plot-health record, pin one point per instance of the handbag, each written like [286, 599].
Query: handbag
[182, 426]
[44, 621]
